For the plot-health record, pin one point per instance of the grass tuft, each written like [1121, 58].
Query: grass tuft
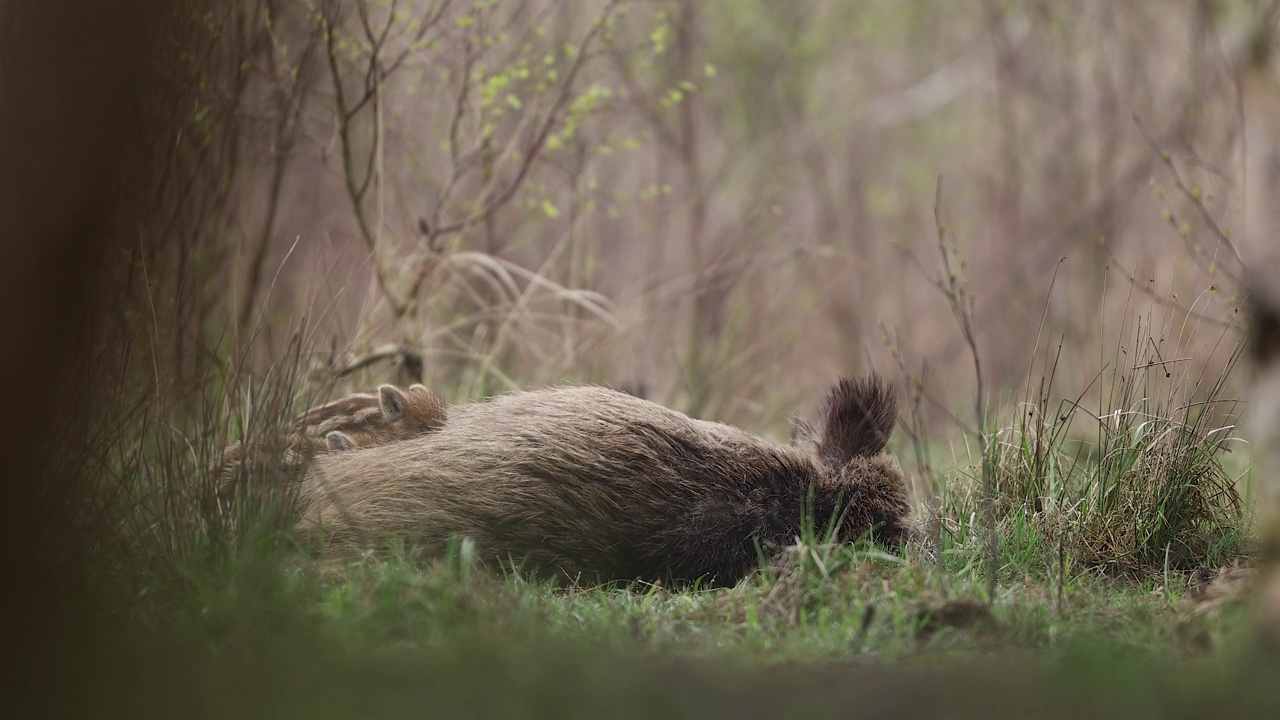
[1136, 489]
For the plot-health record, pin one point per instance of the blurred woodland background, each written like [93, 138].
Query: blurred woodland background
[718, 205]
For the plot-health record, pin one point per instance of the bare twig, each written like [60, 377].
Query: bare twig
[540, 138]
[961, 302]
[291, 88]
[390, 351]
[1192, 196]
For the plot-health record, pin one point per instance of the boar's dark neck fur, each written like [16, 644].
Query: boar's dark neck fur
[596, 485]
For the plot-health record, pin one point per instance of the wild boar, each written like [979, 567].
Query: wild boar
[357, 420]
[595, 485]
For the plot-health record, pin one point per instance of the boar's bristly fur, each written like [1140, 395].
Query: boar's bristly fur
[858, 416]
[593, 485]
[358, 420]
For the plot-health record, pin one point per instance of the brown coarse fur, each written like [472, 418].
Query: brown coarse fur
[389, 415]
[855, 419]
[358, 420]
[596, 485]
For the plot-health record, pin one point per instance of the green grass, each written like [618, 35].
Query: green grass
[814, 604]
[395, 634]
[1102, 517]
[872, 609]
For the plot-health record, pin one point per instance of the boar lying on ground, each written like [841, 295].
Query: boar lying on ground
[595, 485]
[365, 420]
[357, 420]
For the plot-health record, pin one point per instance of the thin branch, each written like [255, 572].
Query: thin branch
[455, 124]
[1194, 198]
[531, 153]
[961, 303]
[289, 108]
[377, 135]
[344, 137]
[1199, 315]
[389, 351]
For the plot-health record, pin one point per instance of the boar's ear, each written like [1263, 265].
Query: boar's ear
[392, 400]
[425, 394]
[857, 416]
[339, 441]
